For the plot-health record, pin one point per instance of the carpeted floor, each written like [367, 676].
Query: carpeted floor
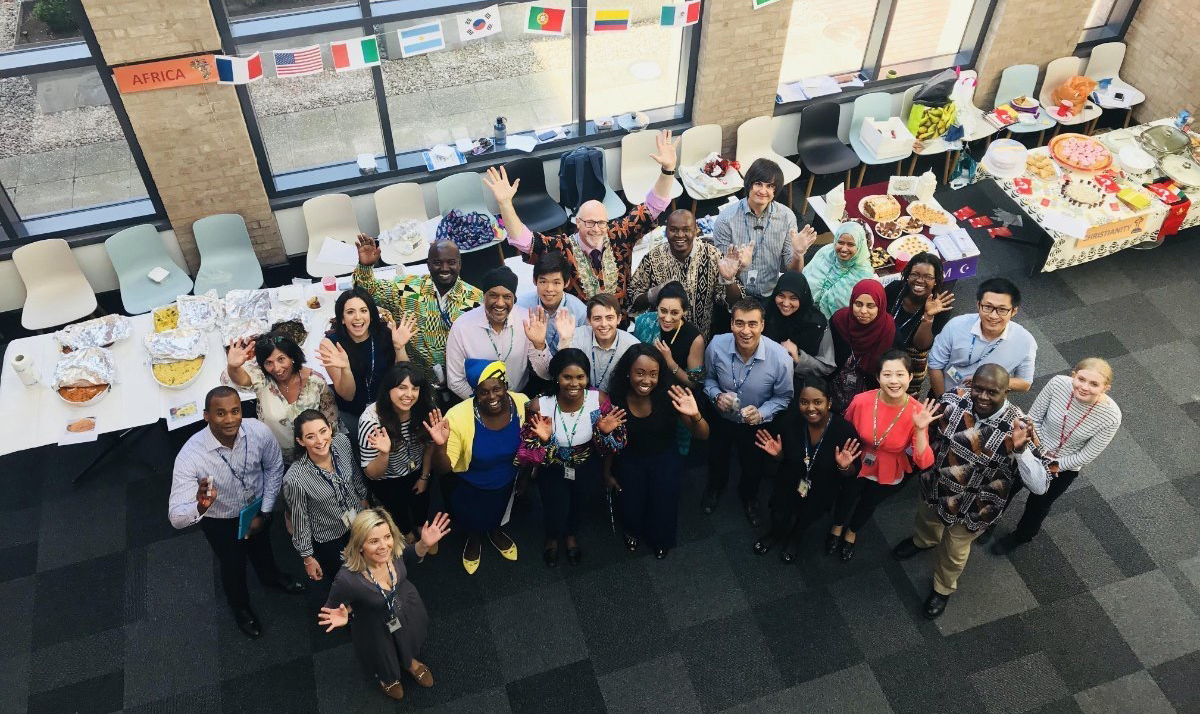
[106, 608]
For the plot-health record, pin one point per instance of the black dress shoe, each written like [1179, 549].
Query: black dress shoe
[906, 549]
[709, 501]
[831, 543]
[750, 508]
[786, 556]
[574, 555]
[661, 553]
[248, 623]
[762, 546]
[1007, 544]
[550, 555]
[846, 553]
[631, 543]
[290, 585]
[935, 605]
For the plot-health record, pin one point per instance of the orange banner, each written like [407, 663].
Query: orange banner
[199, 69]
[1116, 230]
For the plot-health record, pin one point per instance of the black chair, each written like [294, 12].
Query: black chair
[533, 204]
[820, 149]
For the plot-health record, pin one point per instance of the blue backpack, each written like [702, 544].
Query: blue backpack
[580, 177]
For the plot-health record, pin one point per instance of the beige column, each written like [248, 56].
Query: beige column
[194, 138]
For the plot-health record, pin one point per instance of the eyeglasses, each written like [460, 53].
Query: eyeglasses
[593, 224]
[994, 310]
[918, 278]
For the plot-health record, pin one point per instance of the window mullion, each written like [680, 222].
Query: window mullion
[579, 15]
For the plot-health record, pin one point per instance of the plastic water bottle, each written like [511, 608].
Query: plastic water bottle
[500, 132]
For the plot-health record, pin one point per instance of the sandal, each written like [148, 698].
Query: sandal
[394, 690]
[422, 675]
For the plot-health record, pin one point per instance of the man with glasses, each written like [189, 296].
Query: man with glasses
[990, 336]
[601, 252]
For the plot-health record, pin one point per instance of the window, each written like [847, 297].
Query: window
[66, 162]
[885, 39]
[311, 130]
[1108, 20]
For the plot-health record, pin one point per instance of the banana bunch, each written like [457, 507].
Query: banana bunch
[935, 121]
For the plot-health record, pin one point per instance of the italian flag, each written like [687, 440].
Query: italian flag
[546, 20]
[355, 54]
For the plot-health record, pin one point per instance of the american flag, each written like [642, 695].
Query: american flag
[295, 63]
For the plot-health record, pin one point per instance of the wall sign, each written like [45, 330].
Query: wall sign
[197, 69]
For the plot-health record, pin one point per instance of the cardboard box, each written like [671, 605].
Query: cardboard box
[886, 139]
[965, 266]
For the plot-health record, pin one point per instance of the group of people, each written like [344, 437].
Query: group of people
[807, 369]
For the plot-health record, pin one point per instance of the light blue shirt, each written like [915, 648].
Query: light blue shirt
[574, 305]
[764, 382]
[771, 236]
[960, 349]
[252, 468]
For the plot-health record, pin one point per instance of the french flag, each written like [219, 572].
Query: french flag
[239, 70]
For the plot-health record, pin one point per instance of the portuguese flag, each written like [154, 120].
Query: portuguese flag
[546, 20]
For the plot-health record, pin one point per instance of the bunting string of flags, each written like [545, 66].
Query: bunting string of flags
[364, 52]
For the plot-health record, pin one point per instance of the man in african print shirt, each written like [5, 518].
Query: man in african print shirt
[985, 448]
[601, 252]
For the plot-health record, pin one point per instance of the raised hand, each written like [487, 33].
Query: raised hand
[745, 255]
[1021, 433]
[729, 265]
[803, 239]
[684, 401]
[435, 530]
[939, 303]
[240, 352]
[403, 330]
[543, 427]
[845, 455]
[498, 182]
[665, 150]
[773, 445]
[380, 440]
[332, 618]
[368, 249]
[333, 356]
[438, 427]
[925, 413]
[564, 322]
[535, 327]
[610, 421]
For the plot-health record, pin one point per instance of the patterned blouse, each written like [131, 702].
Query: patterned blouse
[534, 451]
[417, 294]
[698, 274]
[275, 411]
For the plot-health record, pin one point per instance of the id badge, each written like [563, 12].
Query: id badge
[439, 373]
[805, 484]
[869, 458]
[953, 373]
[751, 278]
[569, 473]
[393, 624]
[348, 517]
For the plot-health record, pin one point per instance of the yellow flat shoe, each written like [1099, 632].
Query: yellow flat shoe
[509, 553]
[470, 565]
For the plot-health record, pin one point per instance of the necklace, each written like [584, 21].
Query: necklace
[286, 388]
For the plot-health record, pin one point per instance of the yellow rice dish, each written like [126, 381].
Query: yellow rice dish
[166, 318]
[175, 374]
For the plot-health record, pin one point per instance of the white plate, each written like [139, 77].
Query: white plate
[93, 401]
[949, 218]
[893, 249]
[184, 385]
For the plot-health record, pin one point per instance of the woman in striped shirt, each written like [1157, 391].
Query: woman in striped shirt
[1075, 420]
[395, 452]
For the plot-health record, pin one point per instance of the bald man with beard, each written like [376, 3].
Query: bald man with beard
[600, 252]
[985, 449]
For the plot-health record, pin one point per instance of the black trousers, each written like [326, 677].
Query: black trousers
[329, 557]
[562, 499]
[409, 510]
[649, 497]
[1038, 507]
[232, 554]
[724, 439]
[858, 500]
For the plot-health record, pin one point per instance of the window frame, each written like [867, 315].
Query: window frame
[364, 15]
[1112, 30]
[84, 223]
[968, 55]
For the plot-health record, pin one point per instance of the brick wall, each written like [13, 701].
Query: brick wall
[194, 138]
[1162, 58]
[741, 51]
[1028, 32]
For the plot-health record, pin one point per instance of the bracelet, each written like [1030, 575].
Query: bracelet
[666, 171]
[423, 478]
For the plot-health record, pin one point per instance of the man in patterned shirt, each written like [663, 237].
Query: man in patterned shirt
[601, 253]
[437, 299]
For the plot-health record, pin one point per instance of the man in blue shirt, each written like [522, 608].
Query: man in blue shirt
[551, 273]
[968, 341]
[749, 379]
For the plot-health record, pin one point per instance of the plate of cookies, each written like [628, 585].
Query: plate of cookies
[929, 215]
[910, 224]
[908, 246]
[888, 230]
[1042, 167]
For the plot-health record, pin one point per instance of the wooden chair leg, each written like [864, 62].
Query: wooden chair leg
[848, 177]
[807, 192]
[912, 166]
[946, 170]
[695, 205]
[1128, 117]
[989, 141]
[861, 173]
[500, 251]
[790, 195]
[1041, 135]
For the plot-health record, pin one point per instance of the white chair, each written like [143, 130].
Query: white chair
[56, 290]
[975, 126]
[395, 203]
[329, 216]
[1057, 73]
[754, 138]
[1019, 80]
[878, 106]
[1105, 63]
[696, 144]
[639, 172]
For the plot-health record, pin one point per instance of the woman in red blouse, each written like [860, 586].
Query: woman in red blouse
[888, 422]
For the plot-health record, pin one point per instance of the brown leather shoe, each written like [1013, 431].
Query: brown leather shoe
[394, 690]
[422, 674]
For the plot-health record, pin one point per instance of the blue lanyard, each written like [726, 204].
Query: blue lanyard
[342, 490]
[737, 386]
[389, 598]
[446, 319]
[245, 462]
[598, 381]
[991, 348]
[810, 457]
[750, 228]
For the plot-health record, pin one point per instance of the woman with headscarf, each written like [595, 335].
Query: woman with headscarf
[836, 268]
[793, 320]
[862, 332]
[477, 440]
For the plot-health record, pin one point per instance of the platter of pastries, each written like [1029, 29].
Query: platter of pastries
[888, 230]
[908, 246]
[1040, 166]
[910, 224]
[929, 215]
[879, 208]
[1080, 152]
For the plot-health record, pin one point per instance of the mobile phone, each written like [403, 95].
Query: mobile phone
[1119, 96]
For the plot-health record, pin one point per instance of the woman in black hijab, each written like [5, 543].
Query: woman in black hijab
[794, 321]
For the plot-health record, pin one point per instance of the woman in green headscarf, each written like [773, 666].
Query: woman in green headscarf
[836, 268]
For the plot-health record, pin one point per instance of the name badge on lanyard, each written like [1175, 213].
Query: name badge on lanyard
[569, 473]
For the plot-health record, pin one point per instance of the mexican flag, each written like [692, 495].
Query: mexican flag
[680, 15]
[546, 20]
[355, 54]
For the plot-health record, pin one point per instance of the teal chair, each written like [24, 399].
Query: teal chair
[463, 191]
[1019, 80]
[877, 105]
[136, 251]
[227, 259]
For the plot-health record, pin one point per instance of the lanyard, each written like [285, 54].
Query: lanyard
[598, 381]
[245, 461]
[389, 597]
[751, 229]
[971, 357]
[574, 427]
[895, 311]
[342, 490]
[1065, 435]
[371, 375]
[810, 457]
[737, 386]
[875, 439]
[446, 319]
[487, 330]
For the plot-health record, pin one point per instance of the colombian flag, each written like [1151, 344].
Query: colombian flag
[546, 20]
[610, 20]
